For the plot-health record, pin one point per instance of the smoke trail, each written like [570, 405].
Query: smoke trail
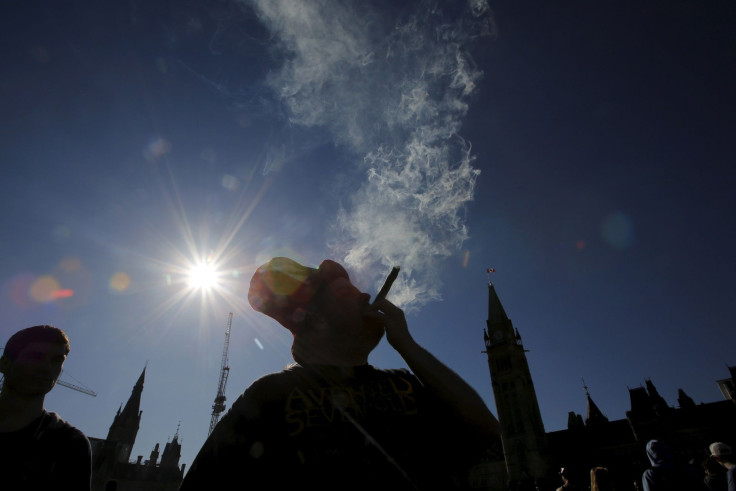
[395, 91]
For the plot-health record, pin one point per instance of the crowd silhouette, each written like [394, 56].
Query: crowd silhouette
[710, 468]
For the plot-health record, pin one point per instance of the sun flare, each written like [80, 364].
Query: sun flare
[203, 276]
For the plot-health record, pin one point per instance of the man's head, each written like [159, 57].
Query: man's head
[33, 358]
[721, 452]
[41, 334]
[286, 290]
[310, 301]
[659, 453]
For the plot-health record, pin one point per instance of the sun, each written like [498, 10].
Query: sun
[203, 276]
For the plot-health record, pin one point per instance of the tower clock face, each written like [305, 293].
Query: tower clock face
[498, 335]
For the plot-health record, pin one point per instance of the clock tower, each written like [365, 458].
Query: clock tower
[522, 431]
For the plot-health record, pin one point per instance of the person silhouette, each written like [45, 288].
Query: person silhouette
[38, 450]
[723, 454]
[332, 421]
[664, 473]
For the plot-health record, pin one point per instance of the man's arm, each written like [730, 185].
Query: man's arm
[443, 382]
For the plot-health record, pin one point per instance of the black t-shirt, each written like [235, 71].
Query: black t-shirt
[328, 428]
[49, 453]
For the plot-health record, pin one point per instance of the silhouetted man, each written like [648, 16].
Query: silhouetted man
[724, 455]
[38, 450]
[332, 421]
[664, 473]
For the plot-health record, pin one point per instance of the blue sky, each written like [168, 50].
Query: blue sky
[584, 151]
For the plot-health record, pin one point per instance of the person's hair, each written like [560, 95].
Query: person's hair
[600, 479]
[35, 334]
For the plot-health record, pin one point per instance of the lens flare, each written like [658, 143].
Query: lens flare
[119, 282]
[44, 288]
[62, 293]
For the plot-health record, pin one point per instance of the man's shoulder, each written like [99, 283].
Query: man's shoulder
[269, 386]
[277, 383]
[53, 423]
[337, 374]
[275, 379]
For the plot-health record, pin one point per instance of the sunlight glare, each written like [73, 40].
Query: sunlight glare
[203, 276]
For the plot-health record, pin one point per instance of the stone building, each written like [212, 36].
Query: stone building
[111, 464]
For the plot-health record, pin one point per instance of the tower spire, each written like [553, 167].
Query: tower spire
[496, 313]
[172, 452]
[658, 403]
[522, 430]
[684, 400]
[594, 415]
[124, 427]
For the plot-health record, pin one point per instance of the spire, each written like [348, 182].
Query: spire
[684, 400]
[154, 457]
[176, 435]
[496, 314]
[594, 415]
[658, 403]
[124, 428]
[172, 451]
[523, 437]
[134, 403]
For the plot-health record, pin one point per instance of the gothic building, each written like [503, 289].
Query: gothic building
[111, 465]
[533, 457]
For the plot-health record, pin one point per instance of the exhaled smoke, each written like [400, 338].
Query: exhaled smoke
[394, 88]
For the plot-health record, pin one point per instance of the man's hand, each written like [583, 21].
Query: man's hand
[392, 319]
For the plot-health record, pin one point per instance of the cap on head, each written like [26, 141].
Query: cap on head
[720, 449]
[283, 289]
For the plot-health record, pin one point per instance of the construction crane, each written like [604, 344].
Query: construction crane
[64, 383]
[79, 388]
[219, 406]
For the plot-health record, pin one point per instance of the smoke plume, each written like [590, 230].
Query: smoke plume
[393, 87]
